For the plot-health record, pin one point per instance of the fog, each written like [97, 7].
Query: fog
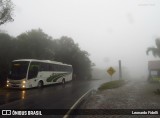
[110, 30]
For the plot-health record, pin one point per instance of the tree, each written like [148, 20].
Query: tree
[34, 44]
[6, 48]
[69, 52]
[6, 11]
[155, 50]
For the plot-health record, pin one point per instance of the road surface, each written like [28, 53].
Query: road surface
[50, 97]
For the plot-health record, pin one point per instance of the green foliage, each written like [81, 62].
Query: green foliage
[69, 52]
[35, 44]
[6, 54]
[155, 50]
[111, 85]
[157, 92]
[154, 79]
[6, 11]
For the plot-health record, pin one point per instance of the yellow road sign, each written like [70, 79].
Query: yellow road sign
[111, 71]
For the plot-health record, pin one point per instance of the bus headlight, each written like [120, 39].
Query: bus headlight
[24, 82]
[23, 86]
[7, 85]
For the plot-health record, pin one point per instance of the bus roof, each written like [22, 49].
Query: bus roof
[44, 61]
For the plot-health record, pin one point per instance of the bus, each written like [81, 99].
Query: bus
[29, 73]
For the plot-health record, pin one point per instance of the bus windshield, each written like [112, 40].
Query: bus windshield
[18, 70]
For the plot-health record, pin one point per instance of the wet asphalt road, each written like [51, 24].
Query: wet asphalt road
[51, 97]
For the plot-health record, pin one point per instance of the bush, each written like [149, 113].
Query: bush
[111, 85]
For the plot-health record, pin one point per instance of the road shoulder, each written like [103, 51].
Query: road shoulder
[134, 95]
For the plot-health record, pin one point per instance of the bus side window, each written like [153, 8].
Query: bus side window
[60, 68]
[44, 67]
[33, 70]
[51, 67]
[55, 67]
[67, 68]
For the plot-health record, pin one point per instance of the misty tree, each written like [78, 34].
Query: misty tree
[6, 51]
[155, 50]
[69, 52]
[34, 44]
[6, 11]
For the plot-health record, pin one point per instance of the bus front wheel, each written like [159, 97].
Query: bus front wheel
[40, 84]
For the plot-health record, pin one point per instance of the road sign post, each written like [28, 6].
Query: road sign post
[120, 70]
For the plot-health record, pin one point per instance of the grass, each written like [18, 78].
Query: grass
[157, 92]
[111, 85]
[156, 79]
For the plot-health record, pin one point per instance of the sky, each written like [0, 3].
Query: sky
[110, 30]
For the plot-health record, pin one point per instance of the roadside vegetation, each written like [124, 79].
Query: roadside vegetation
[156, 53]
[157, 92]
[156, 83]
[112, 85]
[154, 80]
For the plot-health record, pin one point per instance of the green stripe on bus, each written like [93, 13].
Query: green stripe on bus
[49, 79]
[55, 77]
[52, 77]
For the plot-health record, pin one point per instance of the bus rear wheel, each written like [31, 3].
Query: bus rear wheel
[63, 81]
[40, 84]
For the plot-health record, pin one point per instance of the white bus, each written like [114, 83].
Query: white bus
[29, 73]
